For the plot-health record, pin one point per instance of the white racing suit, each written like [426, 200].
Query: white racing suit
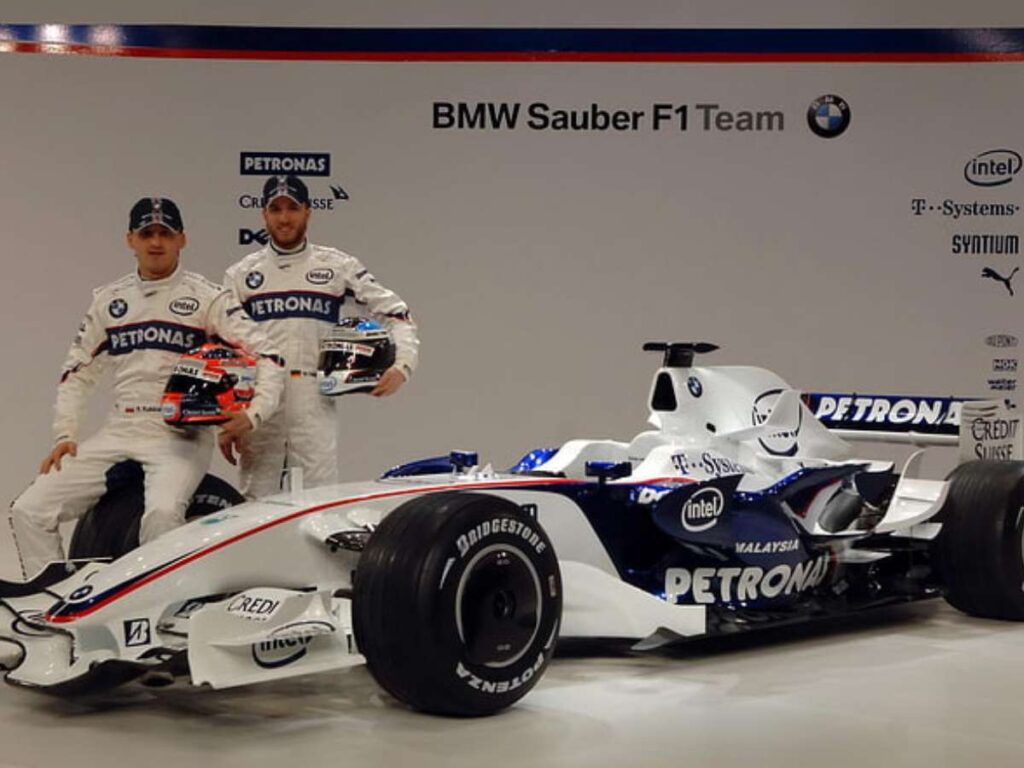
[297, 297]
[139, 329]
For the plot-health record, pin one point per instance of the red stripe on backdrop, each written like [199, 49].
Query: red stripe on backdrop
[511, 56]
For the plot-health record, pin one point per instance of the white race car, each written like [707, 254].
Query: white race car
[739, 510]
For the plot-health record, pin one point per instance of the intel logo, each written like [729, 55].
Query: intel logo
[186, 306]
[702, 510]
[993, 168]
[320, 276]
[279, 652]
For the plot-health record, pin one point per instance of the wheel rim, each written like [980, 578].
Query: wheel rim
[498, 606]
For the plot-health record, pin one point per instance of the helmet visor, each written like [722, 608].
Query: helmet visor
[183, 384]
[339, 355]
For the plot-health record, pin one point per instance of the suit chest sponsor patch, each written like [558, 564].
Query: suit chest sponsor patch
[124, 339]
[309, 304]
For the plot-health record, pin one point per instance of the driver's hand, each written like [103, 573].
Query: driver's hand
[231, 438]
[60, 450]
[389, 383]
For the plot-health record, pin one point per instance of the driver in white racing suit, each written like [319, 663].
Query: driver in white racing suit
[138, 327]
[297, 291]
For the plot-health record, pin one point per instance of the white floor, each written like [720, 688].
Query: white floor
[915, 686]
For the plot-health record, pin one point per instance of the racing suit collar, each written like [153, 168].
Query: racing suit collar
[300, 250]
[164, 282]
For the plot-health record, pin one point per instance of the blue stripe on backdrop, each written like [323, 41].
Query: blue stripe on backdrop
[450, 43]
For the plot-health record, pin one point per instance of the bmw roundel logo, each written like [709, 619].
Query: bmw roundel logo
[118, 308]
[327, 384]
[828, 116]
[695, 387]
[80, 594]
[254, 279]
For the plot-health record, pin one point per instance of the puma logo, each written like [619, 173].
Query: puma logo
[992, 274]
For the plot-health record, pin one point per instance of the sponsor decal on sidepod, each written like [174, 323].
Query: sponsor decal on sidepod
[743, 585]
[702, 510]
[710, 463]
[766, 547]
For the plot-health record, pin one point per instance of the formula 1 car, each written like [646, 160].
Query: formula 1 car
[740, 510]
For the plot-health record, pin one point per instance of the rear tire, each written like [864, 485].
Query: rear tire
[111, 528]
[981, 546]
[457, 603]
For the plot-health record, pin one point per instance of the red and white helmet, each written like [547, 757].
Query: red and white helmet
[208, 384]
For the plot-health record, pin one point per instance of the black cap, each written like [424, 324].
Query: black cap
[285, 186]
[155, 210]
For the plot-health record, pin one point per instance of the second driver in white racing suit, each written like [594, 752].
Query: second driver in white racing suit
[297, 291]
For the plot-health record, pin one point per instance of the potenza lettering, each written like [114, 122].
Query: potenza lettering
[507, 525]
[500, 686]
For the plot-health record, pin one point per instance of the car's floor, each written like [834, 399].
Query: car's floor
[911, 686]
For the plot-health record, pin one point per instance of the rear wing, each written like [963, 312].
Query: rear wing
[982, 429]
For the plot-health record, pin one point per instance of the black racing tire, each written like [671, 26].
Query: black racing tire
[980, 549]
[111, 527]
[457, 603]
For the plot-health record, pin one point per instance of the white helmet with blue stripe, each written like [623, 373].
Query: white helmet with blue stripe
[353, 356]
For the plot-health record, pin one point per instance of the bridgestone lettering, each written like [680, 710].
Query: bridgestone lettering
[506, 525]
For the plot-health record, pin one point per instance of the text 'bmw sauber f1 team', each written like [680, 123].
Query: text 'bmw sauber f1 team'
[742, 508]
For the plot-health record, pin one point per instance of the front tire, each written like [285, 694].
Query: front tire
[981, 546]
[457, 603]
